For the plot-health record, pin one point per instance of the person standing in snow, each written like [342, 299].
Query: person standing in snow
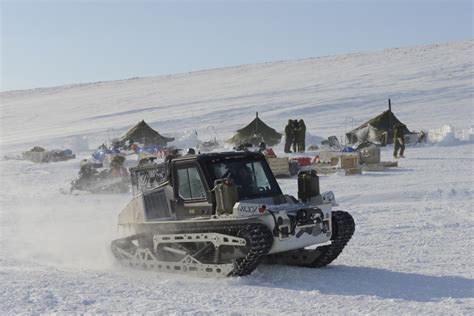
[398, 140]
[301, 136]
[288, 136]
[296, 135]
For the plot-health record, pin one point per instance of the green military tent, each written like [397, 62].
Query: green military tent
[378, 129]
[256, 132]
[142, 133]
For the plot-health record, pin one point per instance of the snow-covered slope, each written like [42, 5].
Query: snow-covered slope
[412, 249]
[428, 85]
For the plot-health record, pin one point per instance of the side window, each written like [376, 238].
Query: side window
[197, 188]
[260, 176]
[190, 184]
[184, 190]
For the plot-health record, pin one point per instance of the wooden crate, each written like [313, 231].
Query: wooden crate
[349, 162]
[279, 166]
[324, 169]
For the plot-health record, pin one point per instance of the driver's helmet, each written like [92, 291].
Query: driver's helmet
[242, 175]
[83, 163]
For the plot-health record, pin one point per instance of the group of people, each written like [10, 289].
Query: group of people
[295, 136]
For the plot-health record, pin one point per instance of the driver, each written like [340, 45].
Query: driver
[244, 179]
[87, 171]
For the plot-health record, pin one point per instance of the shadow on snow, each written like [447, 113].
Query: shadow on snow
[347, 280]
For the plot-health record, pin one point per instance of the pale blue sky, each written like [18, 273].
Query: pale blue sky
[61, 42]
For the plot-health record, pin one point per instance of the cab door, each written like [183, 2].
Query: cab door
[190, 192]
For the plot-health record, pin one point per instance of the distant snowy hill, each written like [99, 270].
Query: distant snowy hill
[429, 86]
[412, 249]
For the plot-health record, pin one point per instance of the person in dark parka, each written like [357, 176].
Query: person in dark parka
[301, 136]
[289, 134]
[296, 135]
[398, 141]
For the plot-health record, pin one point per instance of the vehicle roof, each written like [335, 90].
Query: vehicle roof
[216, 156]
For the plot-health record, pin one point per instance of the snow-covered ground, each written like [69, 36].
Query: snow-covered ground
[413, 246]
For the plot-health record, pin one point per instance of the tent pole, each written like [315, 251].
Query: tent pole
[389, 116]
[345, 129]
[256, 123]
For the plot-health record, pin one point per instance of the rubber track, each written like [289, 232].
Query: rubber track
[259, 241]
[258, 236]
[343, 228]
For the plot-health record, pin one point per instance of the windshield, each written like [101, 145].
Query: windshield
[251, 178]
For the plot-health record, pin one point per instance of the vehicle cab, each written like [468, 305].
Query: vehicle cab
[182, 188]
[194, 177]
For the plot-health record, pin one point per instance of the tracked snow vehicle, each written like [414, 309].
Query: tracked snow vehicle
[221, 214]
[113, 180]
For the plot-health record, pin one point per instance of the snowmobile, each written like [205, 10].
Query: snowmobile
[114, 180]
[222, 214]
